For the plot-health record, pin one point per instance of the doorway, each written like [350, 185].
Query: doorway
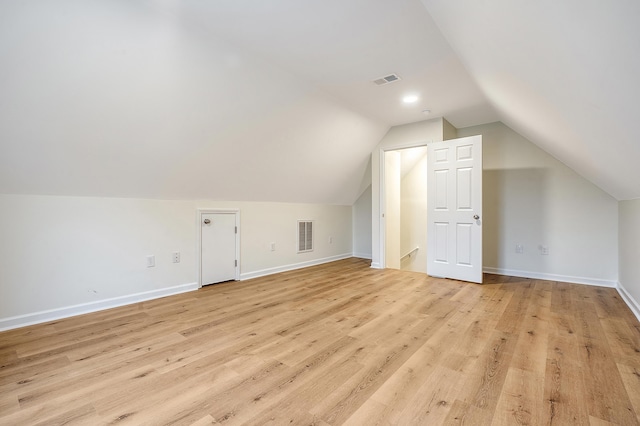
[454, 209]
[406, 209]
[219, 246]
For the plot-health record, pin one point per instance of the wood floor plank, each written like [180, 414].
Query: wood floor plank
[565, 392]
[370, 413]
[623, 341]
[258, 396]
[483, 387]
[399, 391]
[204, 421]
[28, 373]
[513, 315]
[465, 414]
[631, 379]
[82, 415]
[8, 404]
[339, 343]
[433, 401]
[531, 349]
[594, 421]
[608, 400]
[344, 401]
[521, 400]
[295, 406]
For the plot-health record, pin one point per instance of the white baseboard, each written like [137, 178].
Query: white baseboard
[629, 300]
[376, 265]
[362, 255]
[285, 268]
[550, 277]
[85, 308]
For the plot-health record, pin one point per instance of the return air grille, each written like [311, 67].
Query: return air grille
[305, 236]
[386, 80]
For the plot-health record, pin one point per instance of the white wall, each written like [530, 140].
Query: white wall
[58, 252]
[362, 225]
[531, 198]
[629, 251]
[61, 256]
[398, 137]
[264, 223]
[413, 217]
[448, 131]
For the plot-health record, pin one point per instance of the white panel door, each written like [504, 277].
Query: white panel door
[218, 247]
[454, 209]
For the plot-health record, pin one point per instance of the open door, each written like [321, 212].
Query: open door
[454, 203]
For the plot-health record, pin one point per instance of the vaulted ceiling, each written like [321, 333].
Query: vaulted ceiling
[565, 74]
[274, 101]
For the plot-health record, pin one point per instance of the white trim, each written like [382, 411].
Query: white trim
[362, 255]
[86, 308]
[285, 268]
[550, 277]
[382, 211]
[376, 265]
[202, 211]
[629, 300]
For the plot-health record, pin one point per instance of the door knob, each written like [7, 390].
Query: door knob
[207, 221]
[476, 217]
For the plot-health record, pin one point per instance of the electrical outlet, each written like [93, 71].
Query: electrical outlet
[273, 246]
[544, 250]
[519, 248]
[151, 261]
[176, 257]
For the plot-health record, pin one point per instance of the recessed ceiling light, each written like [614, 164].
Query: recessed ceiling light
[426, 111]
[410, 99]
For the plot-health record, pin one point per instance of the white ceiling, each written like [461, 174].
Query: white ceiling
[565, 74]
[273, 101]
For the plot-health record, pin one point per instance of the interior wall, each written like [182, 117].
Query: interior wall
[448, 131]
[392, 175]
[530, 198]
[398, 137]
[64, 251]
[413, 217]
[63, 254]
[362, 225]
[629, 243]
[265, 223]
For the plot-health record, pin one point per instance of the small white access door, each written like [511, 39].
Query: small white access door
[218, 247]
[454, 204]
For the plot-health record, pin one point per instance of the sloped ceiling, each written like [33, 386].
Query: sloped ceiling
[225, 99]
[565, 74]
[274, 101]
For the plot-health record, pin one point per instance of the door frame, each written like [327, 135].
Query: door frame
[199, 220]
[382, 229]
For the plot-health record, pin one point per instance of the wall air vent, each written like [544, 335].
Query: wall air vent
[305, 236]
[386, 80]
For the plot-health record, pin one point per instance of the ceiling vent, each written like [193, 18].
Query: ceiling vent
[386, 80]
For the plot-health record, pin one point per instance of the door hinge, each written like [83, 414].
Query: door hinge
[236, 263]
[236, 229]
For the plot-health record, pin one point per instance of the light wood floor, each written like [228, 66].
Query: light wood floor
[335, 344]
